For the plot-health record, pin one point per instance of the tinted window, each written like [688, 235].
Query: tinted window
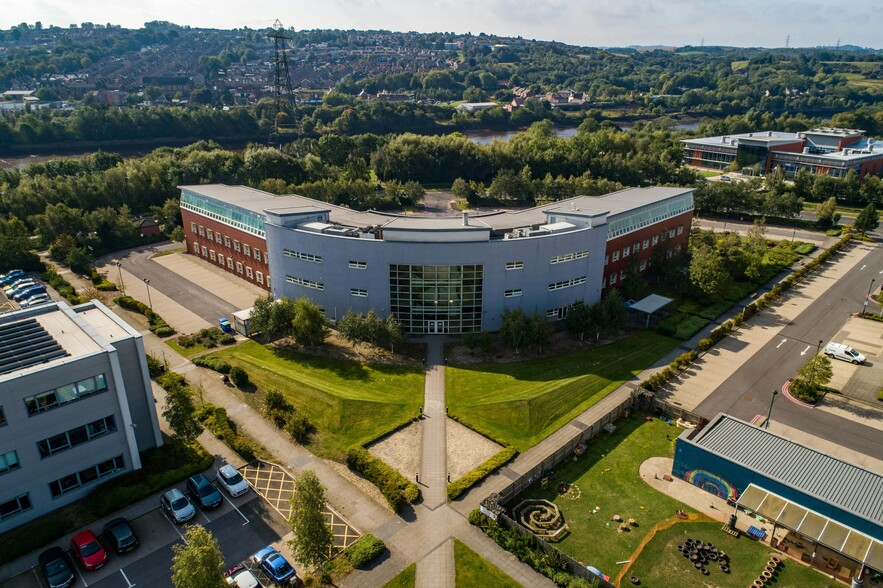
[179, 504]
[234, 479]
[90, 548]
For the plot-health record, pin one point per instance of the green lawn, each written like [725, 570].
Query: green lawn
[349, 402]
[523, 402]
[737, 65]
[473, 570]
[186, 351]
[707, 173]
[606, 476]
[405, 579]
[660, 561]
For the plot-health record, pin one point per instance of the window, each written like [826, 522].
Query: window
[212, 255]
[567, 283]
[249, 273]
[655, 239]
[221, 259]
[204, 251]
[260, 277]
[612, 279]
[237, 246]
[569, 256]
[230, 263]
[514, 265]
[636, 247]
[301, 255]
[606, 259]
[268, 281]
[209, 234]
[266, 256]
[76, 436]
[358, 293]
[671, 233]
[625, 251]
[218, 239]
[247, 250]
[100, 470]
[643, 264]
[557, 314]
[196, 248]
[621, 274]
[646, 243]
[14, 506]
[201, 231]
[238, 267]
[616, 255]
[257, 254]
[358, 264]
[2, 417]
[680, 229]
[9, 462]
[192, 227]
[65, 394]
[227, 242]
[302, 282]
[512, 293]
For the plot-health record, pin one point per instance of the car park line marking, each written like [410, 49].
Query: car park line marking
[207, 520]
[82, 577]
[126, 578]
[239, 511]
[174, 526]
[37, 576]
[782, 343]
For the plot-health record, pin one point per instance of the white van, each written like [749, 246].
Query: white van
[844, 352]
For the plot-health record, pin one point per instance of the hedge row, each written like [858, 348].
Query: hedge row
[100, 282]
[215, 419]
[213, 363]
[364, 551]
[157, 325]
[657, 380]
[394, 487]
[62, 286]
[155, 366]
[458, 487]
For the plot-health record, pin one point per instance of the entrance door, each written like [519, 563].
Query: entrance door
[435, 327]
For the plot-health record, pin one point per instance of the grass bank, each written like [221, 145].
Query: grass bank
[472, 570]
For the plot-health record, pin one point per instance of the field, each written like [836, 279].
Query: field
[523, 402]
[347, 401]
[737, 65]
[860, 81]
[473, 570]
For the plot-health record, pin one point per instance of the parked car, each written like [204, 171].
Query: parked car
[19, 285]
[120, 535]
[29, 292]
[241, 577]
[274, 565]
[224, 322]
[203, 492]
[56, 570]
[844, 352]
[177, 505]
[36, 299]
[232, 481]
[88, 550]
[11, 276]
[726, 179]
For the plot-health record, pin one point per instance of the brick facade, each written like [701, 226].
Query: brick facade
[238, 252]
[640, 244]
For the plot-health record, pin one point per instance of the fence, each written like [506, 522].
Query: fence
[661, 408]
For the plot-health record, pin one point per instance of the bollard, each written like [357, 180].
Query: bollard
[417, 477]
[449, 477]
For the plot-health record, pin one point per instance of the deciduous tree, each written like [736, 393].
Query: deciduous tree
[312, 540]
[198, 562]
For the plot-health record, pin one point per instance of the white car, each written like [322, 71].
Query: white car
[36, 299]
[232, 481]
[241, 577]
[178, 506]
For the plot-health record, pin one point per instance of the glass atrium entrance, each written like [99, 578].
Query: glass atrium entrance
[436, 299]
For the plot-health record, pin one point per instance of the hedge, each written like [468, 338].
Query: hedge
[62, 286]
[215, 419]
[239, 377]
[213, 363]
[394, 487]
[458, 487]
[157, 325]
[364, 551]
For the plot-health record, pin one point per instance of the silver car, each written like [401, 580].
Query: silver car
[178, 506]
[232, 481]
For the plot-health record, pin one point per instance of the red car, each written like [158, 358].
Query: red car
[88, 550]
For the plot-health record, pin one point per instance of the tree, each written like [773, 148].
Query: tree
[611, 313]
[272, 318]
[811, 378]
[514, 328]
[867, 219]
[754, 250]
[312, 539]
[395, 333]
[708, 272]
[826, 213]
[198, 562]
[309, 326]
[180, 413]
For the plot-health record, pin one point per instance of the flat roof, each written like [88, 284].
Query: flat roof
[844, 485]
[769, 137]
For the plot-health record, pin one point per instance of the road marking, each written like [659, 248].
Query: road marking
[126, 578]
[174, 526]
[805, 350]
[239, 511]
[864, 265]
[207, 520]
[782, 343]
[82, 577]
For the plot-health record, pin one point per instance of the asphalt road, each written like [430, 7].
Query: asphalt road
[198, 300]
[748, 392]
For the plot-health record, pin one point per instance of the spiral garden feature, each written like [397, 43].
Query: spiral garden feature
[542, 517]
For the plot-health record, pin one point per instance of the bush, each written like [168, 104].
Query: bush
[208, 338]
[364, 551]
[277, 408]
[212, 363]
[472, 478]
[880, 395]
[299, 427]
[681, 326]
[684, 360]
[239, 377]
[155, 366]
[215, 419]
[394, 487]
[62, 286]
[170, 381]
[705, 344]
[156, 324]
[163, 331]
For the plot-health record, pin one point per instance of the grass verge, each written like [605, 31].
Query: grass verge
[521, 403]
[350, 403]
[470, 569]
[406, 578]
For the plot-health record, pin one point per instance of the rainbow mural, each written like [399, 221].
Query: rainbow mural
[712, 483]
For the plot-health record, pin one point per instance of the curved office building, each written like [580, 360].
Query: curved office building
[435, 274]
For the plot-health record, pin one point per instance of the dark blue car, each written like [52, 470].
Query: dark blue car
[274, 565]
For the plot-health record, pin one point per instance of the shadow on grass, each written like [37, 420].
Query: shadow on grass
[346, 370]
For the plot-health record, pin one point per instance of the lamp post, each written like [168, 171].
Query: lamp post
[868, 297]
[120, 272]
[770, 413]
[149, 301]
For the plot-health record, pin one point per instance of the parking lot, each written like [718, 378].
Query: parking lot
[241, 526]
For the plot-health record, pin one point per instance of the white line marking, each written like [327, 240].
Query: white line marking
[82, 577]
[239, 511]
[782, 343]
[805, 350]
[864, 265]
[208, 520]
[126, 578]
[174, 526]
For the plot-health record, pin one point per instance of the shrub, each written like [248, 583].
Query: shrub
[880, 395]
[213, 363]
[472, 478]
[705, 344]
[239, 377]
[157, 325]
[163, 331]
[155, 366]
[277, 408]
[215, 419]
[364, 551]
[208, 338]
[684, 360]
[394, 487]
[171, 381]
[62, 286]
[299, 427]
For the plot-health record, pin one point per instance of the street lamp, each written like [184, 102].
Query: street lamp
[150, 302]
[120, 271]
[868, 297]
[770, 413]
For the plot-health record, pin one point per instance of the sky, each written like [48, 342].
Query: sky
[746, 23]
